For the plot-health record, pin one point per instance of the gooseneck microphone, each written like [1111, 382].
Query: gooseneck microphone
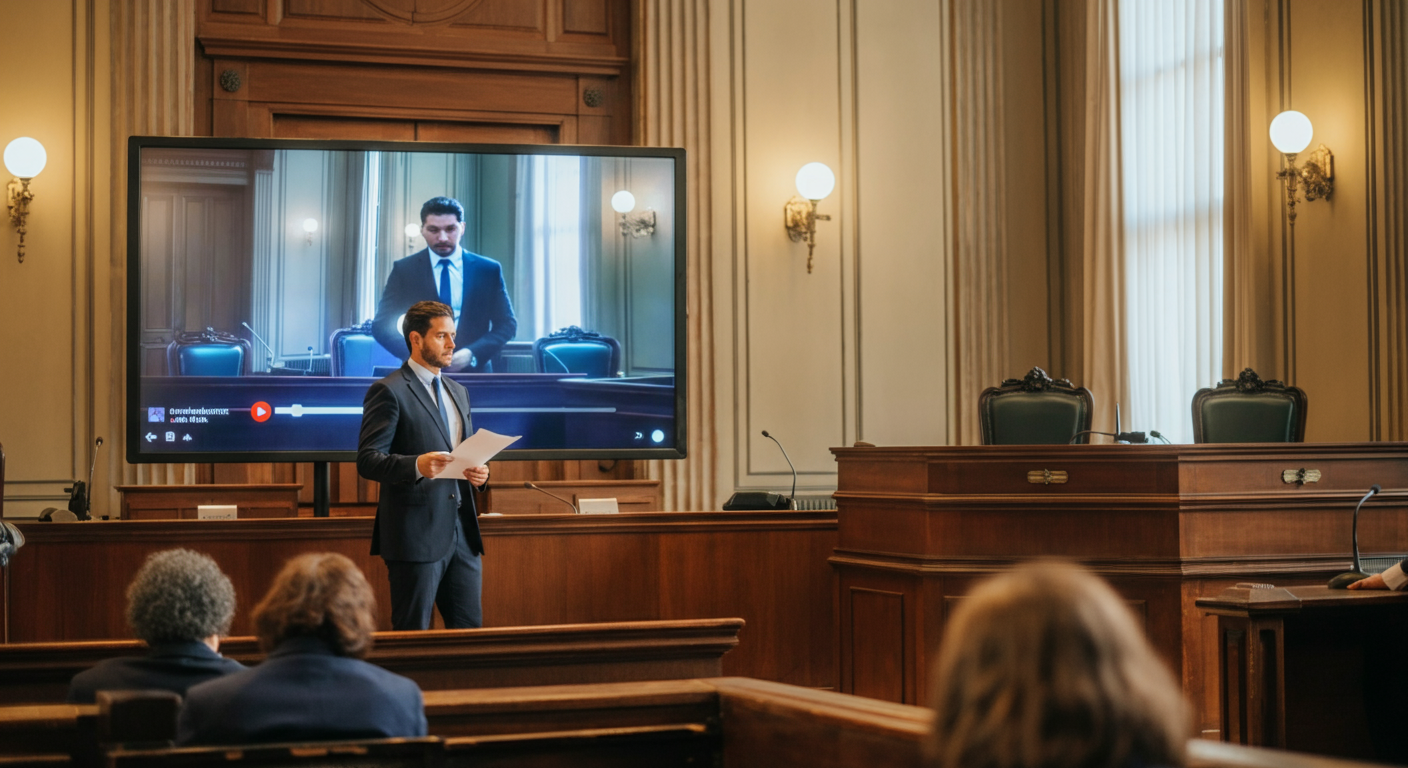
[791, 500]
[527, 484]
[1343, 580]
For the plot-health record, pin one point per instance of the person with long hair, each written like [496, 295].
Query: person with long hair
[1045, 667]
[316, 624]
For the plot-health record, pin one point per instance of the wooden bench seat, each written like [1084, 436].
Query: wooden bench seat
[445, 659]
[725, 722]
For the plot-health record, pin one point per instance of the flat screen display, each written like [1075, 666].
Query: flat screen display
[267, 280]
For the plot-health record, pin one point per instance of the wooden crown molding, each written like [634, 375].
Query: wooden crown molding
[405, 54]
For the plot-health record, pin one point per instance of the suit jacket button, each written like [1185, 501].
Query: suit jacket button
[452, 495]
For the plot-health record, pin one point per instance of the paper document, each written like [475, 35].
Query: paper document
[476, 451]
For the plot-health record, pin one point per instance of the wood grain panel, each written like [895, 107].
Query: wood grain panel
[1166, 525]
[488, 133]
[437, 660]
[322, 127]
[770, 569]
[743, 723]
[238, 7]
[584, 16]
[878, 643]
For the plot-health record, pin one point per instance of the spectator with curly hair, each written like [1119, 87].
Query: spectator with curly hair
[316, 624]
[1045, 667]
[179, 604]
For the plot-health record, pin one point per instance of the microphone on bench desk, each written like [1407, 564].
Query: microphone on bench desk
[527, 484]
[1343, 580]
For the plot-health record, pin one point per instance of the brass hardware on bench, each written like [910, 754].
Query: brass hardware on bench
[1300, 476]
[1047, 476]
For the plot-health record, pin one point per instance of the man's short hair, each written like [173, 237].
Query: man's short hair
[323, 595]
[440, 206]
[419, 316]
[179, 596]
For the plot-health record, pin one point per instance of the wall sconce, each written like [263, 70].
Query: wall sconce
[25, 158]
[639, 225]
[814, 181]
[411, 231]
[309, 227]
[1291, 132]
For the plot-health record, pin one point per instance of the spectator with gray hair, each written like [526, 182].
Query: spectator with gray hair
[179, 604]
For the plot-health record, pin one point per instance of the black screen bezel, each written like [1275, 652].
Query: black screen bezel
[132, 401]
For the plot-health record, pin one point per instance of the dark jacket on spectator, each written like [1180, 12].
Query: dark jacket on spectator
[167, 666]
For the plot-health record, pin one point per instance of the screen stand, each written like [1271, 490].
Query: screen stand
[321, 506]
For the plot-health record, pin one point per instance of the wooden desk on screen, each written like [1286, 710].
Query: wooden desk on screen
[1165, 525]
[768, 568]
[1314, 669]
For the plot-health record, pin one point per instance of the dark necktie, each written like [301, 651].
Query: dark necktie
[444, 414]
[445, 283]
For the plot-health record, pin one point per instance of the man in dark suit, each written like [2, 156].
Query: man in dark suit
[426, 529]
[472, 286]
[179, 604]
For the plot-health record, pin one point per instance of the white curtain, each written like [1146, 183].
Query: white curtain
[1172, 118]
[547, 270]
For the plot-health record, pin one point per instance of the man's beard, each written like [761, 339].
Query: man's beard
[443, 250]
[443, 361]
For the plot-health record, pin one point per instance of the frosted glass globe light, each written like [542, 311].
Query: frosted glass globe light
[412, 230]
[815, 181]
[25, 157]
[310, 225]
[1291, 132]
[623, 202]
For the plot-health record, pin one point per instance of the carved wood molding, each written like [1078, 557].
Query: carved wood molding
[416, 53]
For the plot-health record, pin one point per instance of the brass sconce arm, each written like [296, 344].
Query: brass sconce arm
[19, 198]
[1317, 175]
[800, 217]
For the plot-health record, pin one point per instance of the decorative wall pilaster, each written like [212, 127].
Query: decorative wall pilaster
[153, 76]
[673, 96]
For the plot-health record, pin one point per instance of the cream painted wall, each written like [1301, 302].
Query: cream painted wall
[859, 349]
[45, 303]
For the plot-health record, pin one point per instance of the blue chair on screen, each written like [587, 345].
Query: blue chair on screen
[573, 350]
[207, 353]
[355, 352]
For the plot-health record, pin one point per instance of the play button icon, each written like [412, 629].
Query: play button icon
[261, 411]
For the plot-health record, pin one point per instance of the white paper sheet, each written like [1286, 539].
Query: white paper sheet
[475, 451]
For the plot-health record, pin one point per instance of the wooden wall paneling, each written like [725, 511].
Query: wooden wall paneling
[878, 635]
[769, 569]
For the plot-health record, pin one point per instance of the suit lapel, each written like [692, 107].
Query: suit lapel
[418, 391]
[426, 270]
[461, 401]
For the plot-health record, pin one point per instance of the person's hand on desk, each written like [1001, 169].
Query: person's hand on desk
[430, 464]
[1373, 582]
[477, 476]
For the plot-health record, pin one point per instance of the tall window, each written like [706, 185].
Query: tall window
[1171, 118]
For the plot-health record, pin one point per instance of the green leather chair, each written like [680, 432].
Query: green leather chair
[1249, 410]
[1035, 410]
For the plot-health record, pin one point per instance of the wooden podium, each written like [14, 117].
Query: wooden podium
[1165, 525]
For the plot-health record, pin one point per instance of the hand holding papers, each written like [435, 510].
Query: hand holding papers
[475, 451]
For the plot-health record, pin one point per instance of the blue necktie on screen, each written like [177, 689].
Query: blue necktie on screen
[445, 282]
[444, 414]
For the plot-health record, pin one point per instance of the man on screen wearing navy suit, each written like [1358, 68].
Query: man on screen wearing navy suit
[426, 528]
[469, 284]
